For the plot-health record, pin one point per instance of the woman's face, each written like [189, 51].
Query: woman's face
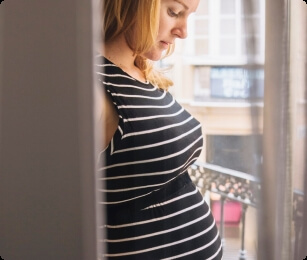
[173, 24]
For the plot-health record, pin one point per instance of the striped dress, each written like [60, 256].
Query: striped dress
[154, 211]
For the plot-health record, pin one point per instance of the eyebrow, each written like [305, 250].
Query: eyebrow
[185, 7]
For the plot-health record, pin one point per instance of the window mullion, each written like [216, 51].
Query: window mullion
[214, 29]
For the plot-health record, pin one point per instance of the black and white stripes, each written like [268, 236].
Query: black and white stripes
[153, 209]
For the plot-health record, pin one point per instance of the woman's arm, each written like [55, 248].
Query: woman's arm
[107, 117]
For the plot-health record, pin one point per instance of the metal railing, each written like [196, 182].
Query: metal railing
[244, 188]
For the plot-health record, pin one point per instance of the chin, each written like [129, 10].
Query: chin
[154, 56]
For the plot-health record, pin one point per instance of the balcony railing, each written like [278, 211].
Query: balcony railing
[244, 188]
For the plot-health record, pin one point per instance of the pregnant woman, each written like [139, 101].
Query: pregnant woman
[154, 211]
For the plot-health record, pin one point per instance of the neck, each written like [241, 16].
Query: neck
[118, 52]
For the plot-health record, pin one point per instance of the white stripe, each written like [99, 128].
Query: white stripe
[173, 200]
[139, 187]
[121, 131]
[114, 75]
[158, 219]
[133, 188]
[158, 129]
[118, 75]
[218, 251]
[152, 160]
[169, 244]
[112, 146]
[139, 96]
[197, 250]
[160, 143]
[141, 174]
[153, 88]
[134, 106]
[189, 160]
[106, 65]
[123, 201]
[160, 232]
[153, 117]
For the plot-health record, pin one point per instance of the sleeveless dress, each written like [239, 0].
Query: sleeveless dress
[153, 210]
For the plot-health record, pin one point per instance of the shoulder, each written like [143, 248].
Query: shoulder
[102, 65]
[109, 73]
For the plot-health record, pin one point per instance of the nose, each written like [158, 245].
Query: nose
[180, 29]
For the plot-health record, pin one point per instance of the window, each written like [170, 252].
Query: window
[228, 82]
[234, 152]
[223, 32]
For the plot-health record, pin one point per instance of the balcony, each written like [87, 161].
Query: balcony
[233, 197]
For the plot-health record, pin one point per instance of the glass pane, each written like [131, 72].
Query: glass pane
[250, 25]
[228, 46]
[228, 6]
[201, 46]
[228, 26]
[233, 151]
[251, 45]
[202, 8]
[201, 27]
[233, 123]
[251, 7]
[234, 83]
[202, 84]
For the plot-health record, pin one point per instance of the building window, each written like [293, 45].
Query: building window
[228, 83]
[234, 152]
[225, 31]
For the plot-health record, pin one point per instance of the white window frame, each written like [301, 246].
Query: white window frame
[214, 56]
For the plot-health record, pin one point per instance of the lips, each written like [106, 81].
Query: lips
[164, 44]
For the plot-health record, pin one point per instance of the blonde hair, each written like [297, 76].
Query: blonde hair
[138, 20]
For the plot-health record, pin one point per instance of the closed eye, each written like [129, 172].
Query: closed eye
[172, 13]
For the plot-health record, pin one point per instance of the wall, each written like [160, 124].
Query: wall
[47, 197]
